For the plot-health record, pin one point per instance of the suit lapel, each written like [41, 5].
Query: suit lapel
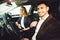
[44, 25]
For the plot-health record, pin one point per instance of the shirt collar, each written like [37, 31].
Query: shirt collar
[45, 17]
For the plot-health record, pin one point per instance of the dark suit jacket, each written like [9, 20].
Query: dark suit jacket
[50, 30]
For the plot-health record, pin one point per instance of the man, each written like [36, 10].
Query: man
[47, 28]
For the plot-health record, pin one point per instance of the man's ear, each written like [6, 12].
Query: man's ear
[47, 8]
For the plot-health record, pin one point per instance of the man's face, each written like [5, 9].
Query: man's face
[42, 9]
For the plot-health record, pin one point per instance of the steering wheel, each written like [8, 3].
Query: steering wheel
[9, 25]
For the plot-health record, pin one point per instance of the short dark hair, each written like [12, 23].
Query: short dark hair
[43, 2]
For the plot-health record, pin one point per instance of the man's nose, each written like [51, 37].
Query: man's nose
[39, 10]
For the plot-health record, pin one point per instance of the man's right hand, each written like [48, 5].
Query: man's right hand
[33, 24]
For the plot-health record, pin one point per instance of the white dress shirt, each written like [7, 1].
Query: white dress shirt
[39, 26]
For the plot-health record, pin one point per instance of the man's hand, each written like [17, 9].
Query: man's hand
[33, 24]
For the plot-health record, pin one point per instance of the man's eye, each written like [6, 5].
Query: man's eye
[41, 7]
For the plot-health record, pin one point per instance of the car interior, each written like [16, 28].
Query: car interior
[9, 15]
